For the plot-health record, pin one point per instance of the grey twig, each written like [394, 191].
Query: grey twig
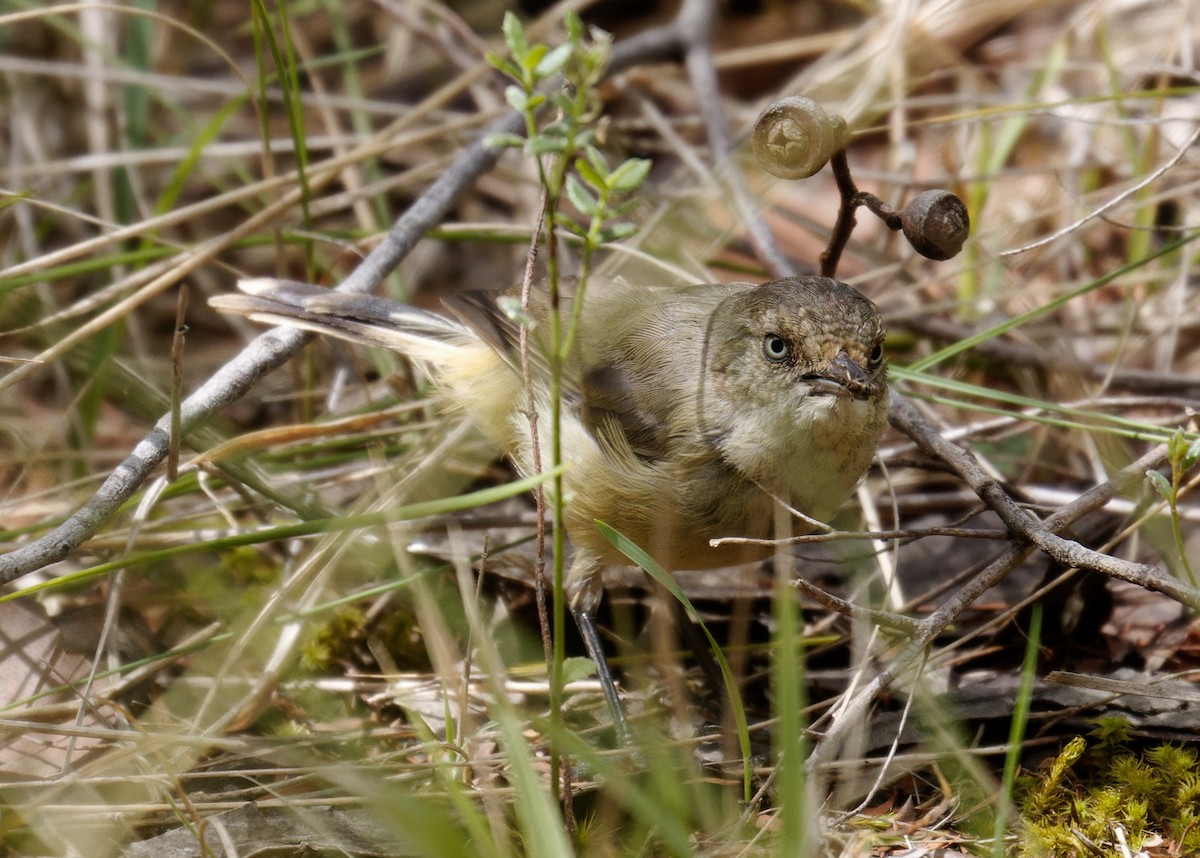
[1029, 535]
[885, 619]
[1023, 525]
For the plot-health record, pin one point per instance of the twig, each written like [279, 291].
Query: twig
[885, 619]
[905, 416]
[851, 199]
[1124, 195]
[911, 533]
[1022, 524]
[846, 219]
[177, 343]
[539, 494]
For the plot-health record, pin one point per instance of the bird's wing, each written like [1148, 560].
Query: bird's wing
[641, 364]
[614, 413]
[611, 397]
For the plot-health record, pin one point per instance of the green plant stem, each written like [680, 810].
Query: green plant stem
[1176, 530]
[590, 244]
[559, 617]
[553, 181]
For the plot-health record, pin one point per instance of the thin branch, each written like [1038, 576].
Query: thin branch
[1022, 524]
[910, 533]
[906, 417]
[884, 619]
[1124, 195]
[846, 217]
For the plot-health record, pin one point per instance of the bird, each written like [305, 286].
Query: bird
[687, 412]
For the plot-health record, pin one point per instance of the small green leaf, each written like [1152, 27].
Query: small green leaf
[546, 145]
[563, 222]
[1161, 484]
[630, 175]
[1192, 455]
[532, 57]
[581, 197]
[553, 62]
[573, 24]
[504, 140]
[514, 35]
[557, 128]
[577, 668]
[584, 137]
[588, 173]
[534, 101]
[565, 103]
[516, 98]
[595, 58]
[596, 158]
[617, 232]
[622, 208]
[504, 64]
[1175, 446]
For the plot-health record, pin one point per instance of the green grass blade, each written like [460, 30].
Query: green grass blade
[635, 553]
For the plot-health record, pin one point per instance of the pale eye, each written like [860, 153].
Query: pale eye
[775, 348]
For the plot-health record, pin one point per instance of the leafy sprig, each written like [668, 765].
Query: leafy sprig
[1182, 455]
[555, 90]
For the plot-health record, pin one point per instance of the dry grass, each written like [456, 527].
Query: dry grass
[261, 629]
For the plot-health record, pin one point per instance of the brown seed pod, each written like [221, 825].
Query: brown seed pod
[795, 137]
[936, 224]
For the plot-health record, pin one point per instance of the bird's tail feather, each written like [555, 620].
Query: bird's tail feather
[358, 318]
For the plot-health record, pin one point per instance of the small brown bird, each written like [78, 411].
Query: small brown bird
[688, 412]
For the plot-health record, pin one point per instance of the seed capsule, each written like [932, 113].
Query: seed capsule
[795, 137]
[936, 224]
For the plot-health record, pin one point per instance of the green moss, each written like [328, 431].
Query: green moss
[1092, 789]
[329, 639]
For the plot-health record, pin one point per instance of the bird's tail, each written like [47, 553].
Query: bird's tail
[474, 370]
[364, 319]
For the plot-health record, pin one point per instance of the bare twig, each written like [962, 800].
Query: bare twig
[908, 533]
[885, 619]
[846, 219]
[1029, 535]
[1124, 195]
[177, 382]
[539, 494]
[851, 199]
[1022, 524]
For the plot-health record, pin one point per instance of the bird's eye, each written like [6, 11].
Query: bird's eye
[775, 348]
[876, 356]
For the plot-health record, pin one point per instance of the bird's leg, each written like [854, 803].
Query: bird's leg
[591, 640]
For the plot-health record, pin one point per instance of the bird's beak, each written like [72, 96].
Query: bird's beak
[842, 377]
